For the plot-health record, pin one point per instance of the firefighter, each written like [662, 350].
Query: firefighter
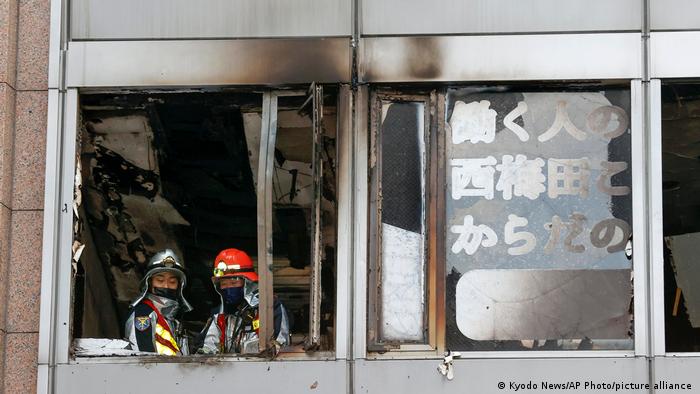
[234, 328]
[153, 325]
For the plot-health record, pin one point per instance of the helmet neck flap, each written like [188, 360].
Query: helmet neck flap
[167, 307]
[250, 293]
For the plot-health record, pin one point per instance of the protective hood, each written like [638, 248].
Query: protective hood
[250, 293]
[162, 262]
[167, 307]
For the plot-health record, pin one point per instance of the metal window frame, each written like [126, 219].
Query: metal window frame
[55, 339]
[430, 135]
[268, 139]
[640, 263]
[657, 341]
[56, 273]
[657, 308]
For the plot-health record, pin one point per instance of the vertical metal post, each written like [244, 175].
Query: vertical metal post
[58, 42]
[374, 247]
[314, 336]
[639, 230]
[656, 231]
[52, 193]
[360, 200]
[344, 289]
[268, 134]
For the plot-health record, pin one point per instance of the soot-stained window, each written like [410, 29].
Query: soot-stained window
[538, 216]
[504, 213]
[399, 308]
[179, 171]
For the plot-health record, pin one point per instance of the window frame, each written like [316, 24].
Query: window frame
[642, 255]
[57, 276]
[432, 196]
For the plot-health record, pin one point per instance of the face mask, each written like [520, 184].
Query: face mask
[232, 295]
[170, 294]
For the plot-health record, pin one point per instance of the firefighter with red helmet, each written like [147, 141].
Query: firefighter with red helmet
[152, 325]
[234, 328]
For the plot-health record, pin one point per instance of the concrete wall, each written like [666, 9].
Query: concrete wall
[24, 41]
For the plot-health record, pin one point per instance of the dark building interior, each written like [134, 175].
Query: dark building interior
[681, 212]
[179, 171]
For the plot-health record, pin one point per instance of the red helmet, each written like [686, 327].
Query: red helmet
[231, 263]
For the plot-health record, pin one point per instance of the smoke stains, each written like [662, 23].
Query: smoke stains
[425, 57]
[399, 59]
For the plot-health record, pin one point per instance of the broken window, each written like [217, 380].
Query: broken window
[180, 171]
[681, 215]
[399, 307]
[538, 215]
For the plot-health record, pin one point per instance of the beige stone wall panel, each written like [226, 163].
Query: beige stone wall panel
[8, 41]
[5, 226]
[5, 218]
[29, 150]
[33, 45]
[2, 355]
[7, 125]
[20, 363]
[24, 281]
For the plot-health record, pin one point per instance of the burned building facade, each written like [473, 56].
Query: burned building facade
[445, 196]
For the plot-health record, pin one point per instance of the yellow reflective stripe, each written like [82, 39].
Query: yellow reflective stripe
[256, 324]
[162, 349]
[165, 334]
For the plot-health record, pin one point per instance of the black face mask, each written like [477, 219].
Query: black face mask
[165, 292]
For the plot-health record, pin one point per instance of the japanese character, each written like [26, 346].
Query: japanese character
[575, 227]
[471, 236]
[479, 172]
[604, 233]
[521, 177]
[514, 127]
[610, 168]
[473, 122]
[599, 120]
[562, 120]
[568, 177]
[512, 237]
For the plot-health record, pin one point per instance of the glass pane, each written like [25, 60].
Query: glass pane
[538, 218]
[402, 289]
[681, 185]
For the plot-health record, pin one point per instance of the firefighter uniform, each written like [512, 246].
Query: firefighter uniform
[152, 325]
[235, 327]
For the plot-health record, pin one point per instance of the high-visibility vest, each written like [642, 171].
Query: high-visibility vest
[165, 341]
